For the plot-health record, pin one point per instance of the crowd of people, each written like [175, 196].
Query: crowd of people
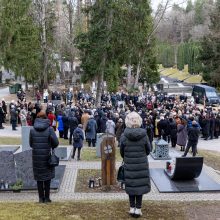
[132, 118]
[169, 117]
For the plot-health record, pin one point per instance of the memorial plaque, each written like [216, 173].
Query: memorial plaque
[24, 168]
[7, 167]
[100, 137]
[25, 132]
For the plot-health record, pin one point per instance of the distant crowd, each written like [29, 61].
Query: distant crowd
[168, 117]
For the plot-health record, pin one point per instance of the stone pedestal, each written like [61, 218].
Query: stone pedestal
[25, 132]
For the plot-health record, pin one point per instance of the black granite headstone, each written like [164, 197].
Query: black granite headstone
[24, 168]
[204, 183]
[7, 167]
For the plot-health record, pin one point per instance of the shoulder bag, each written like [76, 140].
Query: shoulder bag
[53, 159]
[121, 173]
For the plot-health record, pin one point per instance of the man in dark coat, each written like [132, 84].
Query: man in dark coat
[14, 116]
[193, 137]
[65, 126]
[73, 123]
[1, 116]
[173, 132]
[162, 127]
[134, 148]
[91, 130]
[42, 139]
[78, 137]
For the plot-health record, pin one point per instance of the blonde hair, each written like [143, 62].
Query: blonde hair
[133, 120]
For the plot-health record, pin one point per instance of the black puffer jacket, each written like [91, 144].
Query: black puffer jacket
[134, 148]
[42, 139]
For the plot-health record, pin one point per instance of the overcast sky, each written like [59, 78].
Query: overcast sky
[156, 2]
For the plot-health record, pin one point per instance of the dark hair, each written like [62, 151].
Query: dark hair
[42, 114]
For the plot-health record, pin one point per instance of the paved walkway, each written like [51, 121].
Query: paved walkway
[66, 192]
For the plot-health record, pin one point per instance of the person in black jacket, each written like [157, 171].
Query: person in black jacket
[134, 148]
[1, 116]
[193, 137]
[73, 123]
[173, 132]
[65, 126]
[42, 139]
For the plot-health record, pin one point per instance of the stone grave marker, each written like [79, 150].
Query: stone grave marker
[23, 167]
[25, 132]
[7, 167]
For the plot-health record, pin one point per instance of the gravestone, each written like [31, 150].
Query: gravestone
[108, 161]
[24, 168]
[100, 137]
[25, 132]
[24, 171]
[61, 152]
[13, 149]
[7, 167]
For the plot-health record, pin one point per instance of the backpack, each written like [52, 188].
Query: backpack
[76, 137]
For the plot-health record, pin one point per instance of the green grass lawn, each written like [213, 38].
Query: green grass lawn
[110, 210]
[17, 141]
[89, 154]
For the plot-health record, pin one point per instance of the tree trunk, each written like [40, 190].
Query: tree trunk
[26, 85]
[99, 88]
[175, 55]
[71, 36]
[109, 20]
[128, 76]
[44, 46]
[137, 75]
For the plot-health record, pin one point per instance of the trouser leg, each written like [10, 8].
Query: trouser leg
[47, 189]
[93, 142]
[194, 149]
[132, 201]
[65, 133]
[40, 188]
[61, 134]
[71, 137]
[74, 151]
[187, 148]
[89, 142]
[139, 201]
[79, 151]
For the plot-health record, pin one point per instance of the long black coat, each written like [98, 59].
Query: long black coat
[134, 148]
[42, 139]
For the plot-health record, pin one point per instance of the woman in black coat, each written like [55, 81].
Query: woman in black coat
[173, 132]
[134, 148]
[42, 140]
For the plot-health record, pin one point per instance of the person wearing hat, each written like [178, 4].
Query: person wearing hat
[193, 137]
[134, 148]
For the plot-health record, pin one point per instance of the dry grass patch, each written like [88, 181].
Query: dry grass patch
[89, 154]
[211, 158]
[17, 141]
[109, 210]
[82, 183]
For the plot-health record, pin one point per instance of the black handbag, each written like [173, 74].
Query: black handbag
[121, 173]
[54, 159]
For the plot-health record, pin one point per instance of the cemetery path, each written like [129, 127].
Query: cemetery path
[67, 193]
[213, 145]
